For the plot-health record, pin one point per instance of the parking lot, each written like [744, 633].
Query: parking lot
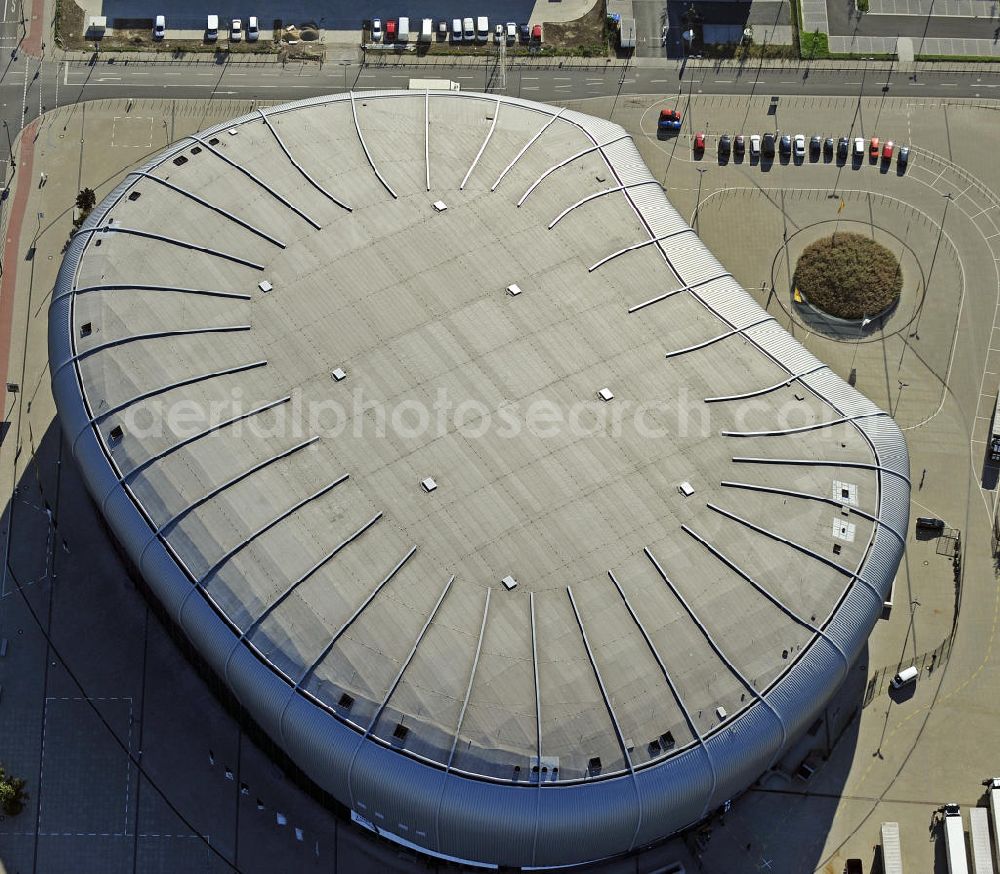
[188, 16]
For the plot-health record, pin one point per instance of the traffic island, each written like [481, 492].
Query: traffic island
[848, 276]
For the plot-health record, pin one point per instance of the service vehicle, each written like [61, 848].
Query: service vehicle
[892, 854]
[482, 28]
[426, 30]
[468, 30]
[979, 835]
[236, 31]
[442, 31]
[906, 675]
[403, 33]
[456, 30]
[253, 29]
[954, 840]
[511, 33]
[212, 28]
[159, 26]
[993, 799]
[498, 34]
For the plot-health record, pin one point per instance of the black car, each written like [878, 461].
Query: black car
[814, 146]
[828, 147]
[739, 145]
[725, 144]
[786, 144]
[767, 146]
[843, 147]
[524, 32]
[929, 523]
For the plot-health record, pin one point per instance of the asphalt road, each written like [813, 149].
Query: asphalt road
[29, 86]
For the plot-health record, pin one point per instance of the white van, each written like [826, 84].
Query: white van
[482, 28]
[468, 30]
[426, 30]
[212, 30]
[404, 30]
[907, 675]
[456, 30]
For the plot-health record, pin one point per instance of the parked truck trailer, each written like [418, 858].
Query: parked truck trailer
[892, 854]
[954, 840]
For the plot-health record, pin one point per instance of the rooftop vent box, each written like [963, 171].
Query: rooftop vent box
[720, 711]
[233, 131]
[400, 731]
[117, 433]
[346, 701]
[440, 205]
[428, 484]
[594, 765]
[686, 489]
[513, 290]
[338, 374]
[605, 394]
[509, 583]
[265, 286]
[667, 740]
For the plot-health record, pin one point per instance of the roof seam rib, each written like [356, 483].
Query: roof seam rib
[611, 713]
[172, 241]
[871, 517]
[253, 177]
[763, 391]
[597, 147]
[482, 148]
[368, 155]
[337, 635]
[526, 146]
[277, 602]
[692, 726]
[394, 684]
[718, 650]
[302, 171]
[847, 572]
[243, 223]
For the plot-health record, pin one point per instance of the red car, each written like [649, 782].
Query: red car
[873, 148]
[699, 142]
[536, 33]
[887, 151]
[390, 30]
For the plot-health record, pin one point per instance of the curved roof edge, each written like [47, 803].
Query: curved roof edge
[452, 814]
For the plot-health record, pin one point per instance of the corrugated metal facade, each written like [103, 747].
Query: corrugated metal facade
[494, 821]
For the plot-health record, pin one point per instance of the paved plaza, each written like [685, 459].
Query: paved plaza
[133, 765]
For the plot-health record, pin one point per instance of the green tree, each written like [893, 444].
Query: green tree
[12, 794]
[86, 200]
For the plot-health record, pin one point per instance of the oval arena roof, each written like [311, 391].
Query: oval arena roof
[267, 337]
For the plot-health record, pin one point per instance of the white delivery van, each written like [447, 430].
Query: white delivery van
[907, 675]
[482, 28]
[456, 30]
[468, 30]
[212, 29]
[426, 30]
[404, 30]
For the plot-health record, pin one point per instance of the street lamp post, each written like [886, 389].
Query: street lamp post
[697, 209]
[10, 146]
